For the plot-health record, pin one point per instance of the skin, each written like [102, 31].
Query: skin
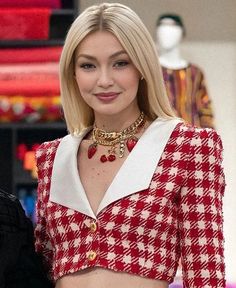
[105, 69]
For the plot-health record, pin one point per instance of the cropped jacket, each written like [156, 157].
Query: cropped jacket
[164, 204]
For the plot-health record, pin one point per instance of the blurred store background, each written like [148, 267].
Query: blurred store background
[31, 39]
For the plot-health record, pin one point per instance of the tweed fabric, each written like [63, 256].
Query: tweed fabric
[145, 233]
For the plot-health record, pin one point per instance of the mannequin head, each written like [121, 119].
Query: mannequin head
[170, 31]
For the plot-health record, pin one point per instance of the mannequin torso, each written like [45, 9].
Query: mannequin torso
[173, 60]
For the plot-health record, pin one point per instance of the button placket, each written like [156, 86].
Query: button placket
[91, 255]
[93, 226]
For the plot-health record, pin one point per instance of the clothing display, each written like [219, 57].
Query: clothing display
[29, 87]
[30, 109]
[30, 55]
[163, 205]
[188, 94]
[55, 4]
[46, 85]
[21, 71]
[29, 92]
[23, 23]
[29, 84]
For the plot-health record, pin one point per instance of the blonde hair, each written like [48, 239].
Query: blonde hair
[129, 29]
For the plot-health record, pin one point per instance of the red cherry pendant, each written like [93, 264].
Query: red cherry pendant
[111, 157]
[131, 142]
[103, 158]
[92, 150]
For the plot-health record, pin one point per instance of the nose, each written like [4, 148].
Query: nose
[105, 78]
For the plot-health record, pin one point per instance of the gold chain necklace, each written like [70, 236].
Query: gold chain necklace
[124, 138]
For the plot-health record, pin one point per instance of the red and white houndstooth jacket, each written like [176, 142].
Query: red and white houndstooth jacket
[165, 203]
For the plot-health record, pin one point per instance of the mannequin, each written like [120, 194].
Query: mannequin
[184, 81]
[169, 35]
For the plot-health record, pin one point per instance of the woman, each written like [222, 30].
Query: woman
[131, 189]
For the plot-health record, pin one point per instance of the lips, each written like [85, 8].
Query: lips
[107, 96]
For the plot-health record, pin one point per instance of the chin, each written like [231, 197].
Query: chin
[109, 111]
[115, 108]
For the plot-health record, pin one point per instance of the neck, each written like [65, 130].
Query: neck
[172, 59]
[125, 138]
[117, 122]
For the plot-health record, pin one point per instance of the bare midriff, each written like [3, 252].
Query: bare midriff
[106, 278]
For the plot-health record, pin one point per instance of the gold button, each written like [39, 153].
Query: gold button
[92, 255]
[93, 226]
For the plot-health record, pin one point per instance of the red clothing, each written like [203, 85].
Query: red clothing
[145, 232]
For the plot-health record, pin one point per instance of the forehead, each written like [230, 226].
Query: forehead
[99, 42]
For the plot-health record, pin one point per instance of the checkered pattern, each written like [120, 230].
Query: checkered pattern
[178, 216]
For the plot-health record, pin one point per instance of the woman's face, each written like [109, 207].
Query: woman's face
[107, 79]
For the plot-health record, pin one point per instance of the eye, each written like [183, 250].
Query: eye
[121, 63]
[87, 66]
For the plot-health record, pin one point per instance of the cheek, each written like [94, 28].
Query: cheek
[130, 80]
[83, 82]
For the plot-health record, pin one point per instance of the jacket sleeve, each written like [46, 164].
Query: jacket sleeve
[200, 213]
[43, 244]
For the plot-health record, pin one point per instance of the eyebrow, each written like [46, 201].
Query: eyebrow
[118, 53]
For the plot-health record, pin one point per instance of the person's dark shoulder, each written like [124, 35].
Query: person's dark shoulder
[20, 267]
[10, 209]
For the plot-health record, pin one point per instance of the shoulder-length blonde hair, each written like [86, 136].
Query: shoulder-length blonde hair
[129, 29]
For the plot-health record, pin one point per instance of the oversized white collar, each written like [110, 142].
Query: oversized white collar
[134, 175]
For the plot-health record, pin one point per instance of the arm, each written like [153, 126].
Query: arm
[200, 214]
[43, 244]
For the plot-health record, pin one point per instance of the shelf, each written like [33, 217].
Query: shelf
[71, 4]
[64, 12]
[46, 125]
[12, 173]
[60, 21]
[13, 177]
[30, 43]
[22, 176]
[24, 181]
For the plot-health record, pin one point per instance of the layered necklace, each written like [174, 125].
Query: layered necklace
[115, 140]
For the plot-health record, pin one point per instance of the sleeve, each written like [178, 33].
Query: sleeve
[200, 214]
[43, 245]
[204, 105]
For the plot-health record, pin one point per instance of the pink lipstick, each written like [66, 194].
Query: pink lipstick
[107, 96]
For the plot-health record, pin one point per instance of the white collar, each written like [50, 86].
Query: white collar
[134, 175]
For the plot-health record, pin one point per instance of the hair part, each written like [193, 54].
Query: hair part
[128, 28]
